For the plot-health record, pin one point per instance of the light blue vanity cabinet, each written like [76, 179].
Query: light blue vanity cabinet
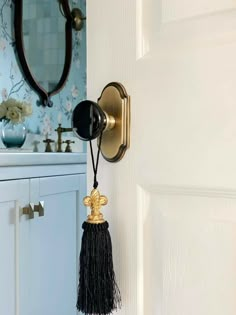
[39, 256]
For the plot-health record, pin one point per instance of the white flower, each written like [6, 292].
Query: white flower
[15, 110]
[26, 109]
[14, 114]
[11, 102]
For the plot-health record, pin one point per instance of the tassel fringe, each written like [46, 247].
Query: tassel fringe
[98, 293]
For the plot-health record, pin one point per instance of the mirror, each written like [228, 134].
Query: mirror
[44, 41]
[43, 36]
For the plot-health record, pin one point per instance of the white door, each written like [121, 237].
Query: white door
[172, 208]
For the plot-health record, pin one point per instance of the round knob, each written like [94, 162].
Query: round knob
[88, 120]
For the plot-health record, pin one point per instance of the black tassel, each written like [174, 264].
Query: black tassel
[98, 293]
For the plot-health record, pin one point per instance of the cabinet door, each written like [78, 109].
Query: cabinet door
[53, 241]
[13, 195]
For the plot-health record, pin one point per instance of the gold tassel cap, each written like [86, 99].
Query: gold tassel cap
[95, 201]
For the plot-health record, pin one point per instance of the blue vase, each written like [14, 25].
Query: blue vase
[13, 134]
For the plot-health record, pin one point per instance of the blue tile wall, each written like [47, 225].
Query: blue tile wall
[12, 84]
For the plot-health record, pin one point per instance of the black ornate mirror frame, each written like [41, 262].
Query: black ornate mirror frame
[18, 27]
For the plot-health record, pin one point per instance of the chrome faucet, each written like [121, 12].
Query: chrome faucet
[59, 131]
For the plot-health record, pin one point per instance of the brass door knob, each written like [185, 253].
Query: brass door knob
[110, 116]
[89, 120]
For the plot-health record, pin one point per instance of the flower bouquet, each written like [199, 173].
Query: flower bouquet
[12, 115]
[15, 111]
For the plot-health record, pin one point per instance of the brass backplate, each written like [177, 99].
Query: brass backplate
[115, 101]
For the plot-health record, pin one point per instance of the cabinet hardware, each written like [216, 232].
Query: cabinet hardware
[39, 208]
[78, 19]
[29, 210]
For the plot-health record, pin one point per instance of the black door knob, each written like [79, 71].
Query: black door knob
[88, 120]
[110, 116]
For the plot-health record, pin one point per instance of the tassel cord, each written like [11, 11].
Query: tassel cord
[95, 167]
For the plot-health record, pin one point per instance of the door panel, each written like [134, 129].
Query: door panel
[13, 195]
[53, 245]
[193, 232]
[179, 9]
[173, 239]
[53, 256]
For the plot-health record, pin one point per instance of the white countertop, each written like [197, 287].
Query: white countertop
[12, 158]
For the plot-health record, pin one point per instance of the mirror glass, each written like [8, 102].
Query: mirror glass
[43, 28]
[43, 37]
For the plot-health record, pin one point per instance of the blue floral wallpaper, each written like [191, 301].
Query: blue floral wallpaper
[12, 83]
